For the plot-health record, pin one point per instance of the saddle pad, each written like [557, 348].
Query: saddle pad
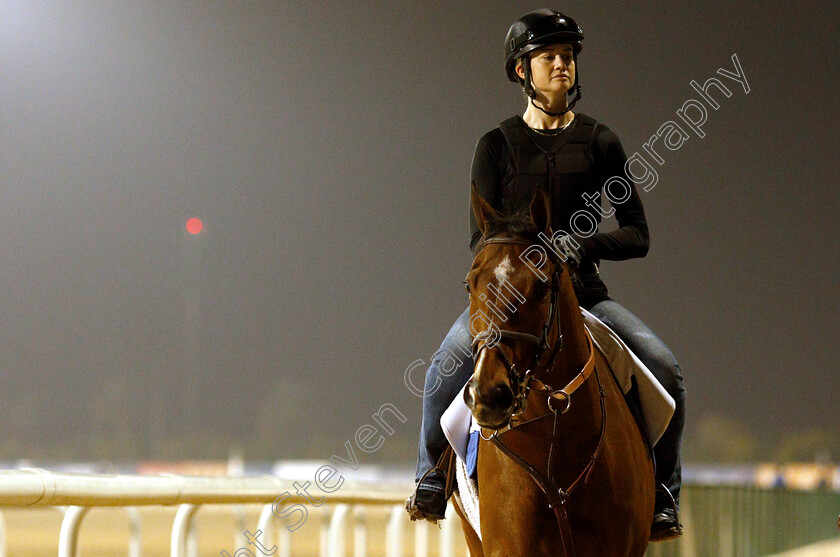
[455, 423]
[467, 494]
[657, 404]
[472, 456]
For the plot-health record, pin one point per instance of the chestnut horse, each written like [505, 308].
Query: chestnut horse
[563, 469]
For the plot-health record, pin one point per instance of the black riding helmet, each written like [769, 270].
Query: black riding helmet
[535, 30]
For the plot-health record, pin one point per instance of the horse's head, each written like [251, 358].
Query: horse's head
[513, 285]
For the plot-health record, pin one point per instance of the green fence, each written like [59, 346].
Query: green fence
[733, 521]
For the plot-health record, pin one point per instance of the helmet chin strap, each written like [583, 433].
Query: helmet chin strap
[556, 114]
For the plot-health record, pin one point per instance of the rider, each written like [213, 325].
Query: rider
[573, 157]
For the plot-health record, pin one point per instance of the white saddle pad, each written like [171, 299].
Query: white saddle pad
[657, 404]
[468, 493]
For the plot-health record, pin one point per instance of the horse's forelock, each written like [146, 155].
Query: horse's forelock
[519, 224]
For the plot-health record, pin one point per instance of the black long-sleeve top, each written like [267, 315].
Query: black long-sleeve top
[491, 164]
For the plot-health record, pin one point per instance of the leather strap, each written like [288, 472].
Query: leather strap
[557, 497]
[566, 392]
[585, 373]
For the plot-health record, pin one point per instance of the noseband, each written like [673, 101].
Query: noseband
[521, 382]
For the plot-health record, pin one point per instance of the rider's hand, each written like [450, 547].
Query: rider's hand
[571, 251]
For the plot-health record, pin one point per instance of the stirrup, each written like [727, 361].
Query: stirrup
[671, 528]
[445, 467]
[669, 520]
[416, 513]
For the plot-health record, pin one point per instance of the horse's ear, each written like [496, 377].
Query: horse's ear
[482, 210]
[540, 211]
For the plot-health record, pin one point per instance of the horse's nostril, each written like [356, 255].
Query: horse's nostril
[468, 396]
[500, 396]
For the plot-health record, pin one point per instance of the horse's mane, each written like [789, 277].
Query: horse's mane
[517, 224]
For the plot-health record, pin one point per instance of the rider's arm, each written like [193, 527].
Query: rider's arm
[631, 238]
[486, 174]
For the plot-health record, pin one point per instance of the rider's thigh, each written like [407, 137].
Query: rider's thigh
[644, 343]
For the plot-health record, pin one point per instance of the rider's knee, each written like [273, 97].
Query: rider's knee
[672, 381]
[667, 371]
[456, 344]
[450, 361]
[454, 357]
[460, 337]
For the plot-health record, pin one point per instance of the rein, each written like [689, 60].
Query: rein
[524, 384]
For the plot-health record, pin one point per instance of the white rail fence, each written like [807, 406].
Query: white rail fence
[76, 494]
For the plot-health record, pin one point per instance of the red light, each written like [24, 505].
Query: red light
[194, 225]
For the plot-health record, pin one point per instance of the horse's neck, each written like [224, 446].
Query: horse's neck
[575, 350]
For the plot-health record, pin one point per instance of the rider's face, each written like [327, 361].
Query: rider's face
[552, 68]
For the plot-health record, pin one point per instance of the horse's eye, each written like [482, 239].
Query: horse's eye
[541, 290]
[467, 287]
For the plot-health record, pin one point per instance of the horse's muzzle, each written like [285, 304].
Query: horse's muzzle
[491, 408]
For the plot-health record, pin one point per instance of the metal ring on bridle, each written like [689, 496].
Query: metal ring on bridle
[559, 395]
[481, 434]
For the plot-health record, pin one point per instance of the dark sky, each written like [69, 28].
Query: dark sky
[327, 146]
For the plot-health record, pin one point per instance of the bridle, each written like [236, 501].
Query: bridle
[522, 383]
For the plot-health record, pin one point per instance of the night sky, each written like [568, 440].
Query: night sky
[326, 147]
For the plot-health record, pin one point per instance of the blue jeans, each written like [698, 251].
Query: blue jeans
[452, 367]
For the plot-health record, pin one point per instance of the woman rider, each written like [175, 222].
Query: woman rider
[573, 156]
